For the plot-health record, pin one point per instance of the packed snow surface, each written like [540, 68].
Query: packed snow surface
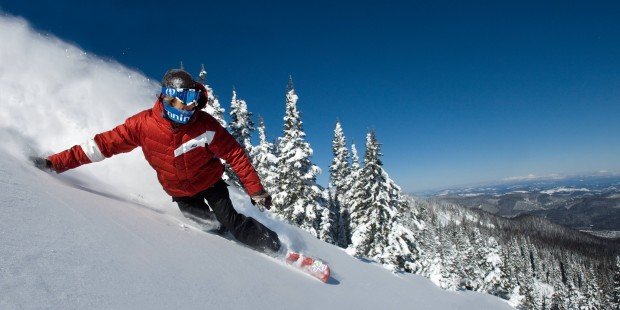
[66, 243]
[105, 236]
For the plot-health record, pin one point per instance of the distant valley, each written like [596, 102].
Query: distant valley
[589, 203]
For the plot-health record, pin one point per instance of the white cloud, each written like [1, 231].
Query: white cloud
[54, 95]
[532, 176]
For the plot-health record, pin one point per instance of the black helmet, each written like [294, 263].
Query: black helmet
[178, 78]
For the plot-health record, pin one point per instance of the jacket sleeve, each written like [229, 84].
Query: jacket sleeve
[123, 138]
[226, 147]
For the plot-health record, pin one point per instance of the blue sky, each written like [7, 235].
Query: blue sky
[456, 92]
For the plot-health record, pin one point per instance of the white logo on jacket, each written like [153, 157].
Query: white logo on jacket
[203, 140]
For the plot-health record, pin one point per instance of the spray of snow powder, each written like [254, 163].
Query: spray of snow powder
[56, 95]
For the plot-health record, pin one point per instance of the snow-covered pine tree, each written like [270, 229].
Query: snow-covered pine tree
[471, 246]
[593, 295]
[329, 222]
[615, 301]
[241, 126]
[354, 190]
[559, 297]
[555, 280]
[464, 263]
[264, 160]
[339, 172]
[344, 228]
[202, 75]
[355, 166]
[213, 106]
[514, 267]
[427, 240]
[215, 109]
[526, 276]
[298, 199]
[402, 252]
[378, 233]
[449, 258]
[492, 263]
[357, 196]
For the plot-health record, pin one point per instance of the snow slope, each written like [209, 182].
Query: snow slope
[67, 246]
[105, 236]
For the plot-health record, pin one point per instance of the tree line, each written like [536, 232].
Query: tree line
[528, 261]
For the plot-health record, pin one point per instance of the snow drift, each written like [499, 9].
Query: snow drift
[106, 236]
[65, 245]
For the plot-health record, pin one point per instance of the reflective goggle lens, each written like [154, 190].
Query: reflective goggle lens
[186, 95]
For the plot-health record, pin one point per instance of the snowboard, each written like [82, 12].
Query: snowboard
[309, 265]
[312, 266]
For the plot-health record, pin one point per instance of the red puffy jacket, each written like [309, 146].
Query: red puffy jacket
[186, 158]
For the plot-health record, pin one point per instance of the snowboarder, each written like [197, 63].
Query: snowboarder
[184, 145]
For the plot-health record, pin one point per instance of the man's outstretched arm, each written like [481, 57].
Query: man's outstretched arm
[121, 139]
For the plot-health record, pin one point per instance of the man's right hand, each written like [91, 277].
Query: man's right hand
[262, 201]
[41, 163]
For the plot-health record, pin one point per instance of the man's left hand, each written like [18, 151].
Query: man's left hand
[41, 163]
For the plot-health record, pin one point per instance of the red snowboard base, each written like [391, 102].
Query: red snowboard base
[309, 265]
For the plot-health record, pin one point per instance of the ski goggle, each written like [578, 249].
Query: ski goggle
[186, 95]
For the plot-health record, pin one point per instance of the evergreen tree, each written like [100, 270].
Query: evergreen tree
[298, 199]
[355, 165]
[352, 198]
[213, 106]
[378, 233]
[202, 75]
[491, 264]
[241, 126]
[615, 301]
[329, 222]
[344, 228]
[466, 262]
[558, 300]
[372, 214]
[215, 109]
[593, 296]
[427, 240]
[264, 160]
[526, 278]
[559, 291]
[358, 194]
[449, 258]
[339, 172]
[516, 270]
[402, 252]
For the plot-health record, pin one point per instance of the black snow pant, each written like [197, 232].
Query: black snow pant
[245, 229]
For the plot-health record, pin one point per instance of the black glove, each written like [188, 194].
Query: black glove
[41, 163]
[262, 200]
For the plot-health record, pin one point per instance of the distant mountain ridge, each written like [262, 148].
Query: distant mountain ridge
[581, 202]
